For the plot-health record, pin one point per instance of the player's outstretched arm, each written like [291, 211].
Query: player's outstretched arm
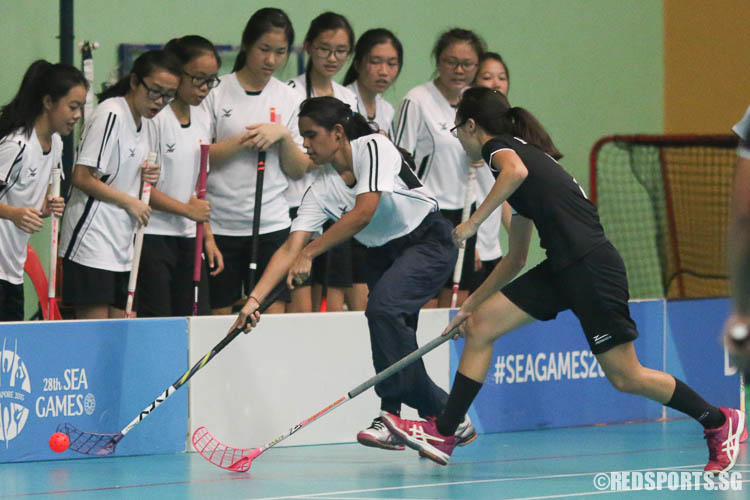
[512, 173]
[509, 266]
[276, 270]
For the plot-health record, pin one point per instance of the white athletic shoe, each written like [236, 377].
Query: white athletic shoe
[379, 436]
[465, 433]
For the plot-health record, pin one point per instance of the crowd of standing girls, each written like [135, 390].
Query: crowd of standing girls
[172, 101]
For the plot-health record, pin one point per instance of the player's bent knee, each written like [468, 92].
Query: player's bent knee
[626, 383]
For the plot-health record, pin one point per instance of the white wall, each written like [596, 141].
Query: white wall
[290, 368]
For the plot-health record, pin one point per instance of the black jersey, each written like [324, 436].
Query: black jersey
[567, 222]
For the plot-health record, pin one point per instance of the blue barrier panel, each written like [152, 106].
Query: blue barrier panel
[97, 375]
[695, 353]
[544, 375]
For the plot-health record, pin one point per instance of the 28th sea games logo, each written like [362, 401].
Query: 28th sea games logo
[15, 392]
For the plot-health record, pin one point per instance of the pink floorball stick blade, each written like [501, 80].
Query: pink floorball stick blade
[221, 455]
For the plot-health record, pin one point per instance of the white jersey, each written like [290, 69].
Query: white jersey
[742, 129]
[488, 236]
[231, 185]
[423, 127]
[378, 167]
[96, 233]
[297, 187]
[25, 175]
[383, 110]
[179, 154]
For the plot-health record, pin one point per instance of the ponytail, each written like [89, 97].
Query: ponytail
[328, 111]
[146, 64]
[41, 79]
[492, 111]
[528, 128]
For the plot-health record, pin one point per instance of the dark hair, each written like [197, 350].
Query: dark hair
[328, 111]
[146, 64]
[495, 57]
[492, 111]
[365, 44]
[41, 79]
[455, 35]
[189, 47]
[325, 22]
[260, 23]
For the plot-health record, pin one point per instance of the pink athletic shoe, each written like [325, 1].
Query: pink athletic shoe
[423, 436]
[724, 442]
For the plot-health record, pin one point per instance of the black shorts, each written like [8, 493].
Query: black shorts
[341, 266]
[229, 286]
[11, 301]
[165, 278]
[594, 287]
[470, 279]
[89, 286]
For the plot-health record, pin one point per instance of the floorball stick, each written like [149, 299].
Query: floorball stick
[133, 278]
[53, 310]
[198, 259]
[468, 199]
[92, 443]
[240, 459]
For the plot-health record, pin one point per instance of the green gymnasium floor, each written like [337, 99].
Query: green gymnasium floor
[558, 463]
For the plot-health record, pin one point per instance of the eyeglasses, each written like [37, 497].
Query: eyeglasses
[200, 81]
[325, 53]
[455, 63]
[155, 95]
[454, 130]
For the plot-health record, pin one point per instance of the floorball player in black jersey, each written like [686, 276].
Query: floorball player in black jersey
[582, 272]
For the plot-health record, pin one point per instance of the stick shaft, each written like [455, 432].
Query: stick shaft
[197, 366]
[465, 213]
[138, 246]
[55, 223]
[379, 377]
[201, 194]
[256, 217]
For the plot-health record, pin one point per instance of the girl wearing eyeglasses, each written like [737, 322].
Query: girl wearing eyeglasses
[328, 44]
[104, 208]
[423, 127]
[252, 111]
[165, 277]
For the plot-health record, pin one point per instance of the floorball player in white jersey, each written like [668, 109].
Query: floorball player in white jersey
[252, 112]
[423, 127]
[377, 62]
[104, 209]
[328, 43]
[369, 190]
[48, 104]
[166, 277]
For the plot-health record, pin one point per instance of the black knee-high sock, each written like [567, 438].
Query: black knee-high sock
[689, 402]
[462, 394]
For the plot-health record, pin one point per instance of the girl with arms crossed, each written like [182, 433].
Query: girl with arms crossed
[423, 128]
[165, 277]
[583, 272]
[328, 43]
[371, 193]
[240, 110]
[48, 105]
[104, 209]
